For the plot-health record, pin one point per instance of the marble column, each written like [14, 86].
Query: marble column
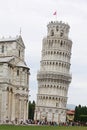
[13, 108]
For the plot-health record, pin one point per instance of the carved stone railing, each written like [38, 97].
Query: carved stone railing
[53, 75]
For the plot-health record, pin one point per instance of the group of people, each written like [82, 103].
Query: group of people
[68, 123]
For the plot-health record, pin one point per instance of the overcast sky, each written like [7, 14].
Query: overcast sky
[33, 16]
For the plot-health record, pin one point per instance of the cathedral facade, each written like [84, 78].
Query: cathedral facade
[14, 81]
[54, 75]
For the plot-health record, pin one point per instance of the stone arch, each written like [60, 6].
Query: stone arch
[43, 97]
[55, 41]
[52, 33]
[42, 85]
[63, 88]
[48, 85]
[65, 54]
[51, 53]
[51, 86]
[49, 97]
[57, 86]
[57, 52]
[61, 43]
[64, 43]
[49, 41]
[2, 49]
[58, 41]
[59, 63]
[60, 87]
[7, 88]
[54, 86]
[56, 63]
[54, 52]
[56, 98]
[62, 65]
[53, 98]
[60, 53]
[52, 41]
[11, 90]
[46, 97]
[48, 63]
[48, 52]
[65, 65]
[57, 28]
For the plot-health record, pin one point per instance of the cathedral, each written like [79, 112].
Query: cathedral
[14, 81]
[54, 75]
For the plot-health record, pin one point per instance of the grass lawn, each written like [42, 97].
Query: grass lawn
[10, 127]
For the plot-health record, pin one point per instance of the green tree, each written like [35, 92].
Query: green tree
[80, 114]
[31, 108]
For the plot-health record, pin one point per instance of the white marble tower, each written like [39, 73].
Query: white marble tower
[54, 76]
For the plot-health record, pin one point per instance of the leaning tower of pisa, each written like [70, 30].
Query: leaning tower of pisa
[54, 75]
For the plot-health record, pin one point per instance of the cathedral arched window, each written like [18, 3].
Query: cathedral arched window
[53, 98]
[57, 86]
[62, 64]
[17, 72]
[46, 97]
[61, 33]
[52, 33]
[61, 43]
[52, 41]
[59, 64]
[11, 90]
[55, 41]
[47, 85]
[56, 63]
[54, 52]
[56, 104]
[51, 86]
[27, 78]
[19, 53]
[64, 42]
[7, 88]
[51, 52]
[57, 29]
[50, 110]
[2, 48]
[49, 97]
[57, 52]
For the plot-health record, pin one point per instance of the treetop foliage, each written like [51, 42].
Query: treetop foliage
[80, 113]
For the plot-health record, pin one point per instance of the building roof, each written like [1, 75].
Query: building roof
[6, 59]
[12, 39]
[21, 64]
[70, 112]
[8, 39]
